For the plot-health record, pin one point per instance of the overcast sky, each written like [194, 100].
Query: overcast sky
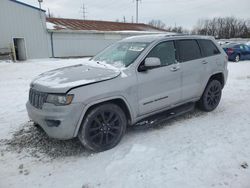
[180, 12]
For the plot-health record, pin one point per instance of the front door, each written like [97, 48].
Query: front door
[160, 87]
[247, 49]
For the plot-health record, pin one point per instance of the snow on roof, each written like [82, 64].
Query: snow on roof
[52, 26]
[94, 25]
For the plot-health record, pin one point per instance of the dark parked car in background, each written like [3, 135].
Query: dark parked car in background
[237, 52]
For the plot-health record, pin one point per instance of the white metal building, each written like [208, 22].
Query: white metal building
[72, 37]
[23, 30]
[26, 33]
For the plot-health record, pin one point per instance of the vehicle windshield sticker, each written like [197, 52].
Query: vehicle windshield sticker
[136, 48]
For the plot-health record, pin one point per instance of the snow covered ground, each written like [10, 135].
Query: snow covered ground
[197, 150]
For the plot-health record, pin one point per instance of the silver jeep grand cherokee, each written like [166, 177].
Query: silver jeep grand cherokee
[129, 81]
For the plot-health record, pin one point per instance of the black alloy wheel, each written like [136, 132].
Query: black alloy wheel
[211, 96]
[103, 127]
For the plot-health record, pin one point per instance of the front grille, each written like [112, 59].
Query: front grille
[37, 98]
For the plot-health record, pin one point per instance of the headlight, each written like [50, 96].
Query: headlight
[59, 99]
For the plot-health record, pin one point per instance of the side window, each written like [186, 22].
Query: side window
[208, 48]
[241, 47]
[188, 50]
[246, 48]
[165, 51]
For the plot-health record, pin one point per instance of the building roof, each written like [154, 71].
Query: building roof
[27, 5]
[93, 25]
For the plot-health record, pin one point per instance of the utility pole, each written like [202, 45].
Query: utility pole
[83, 11]
[137, 10]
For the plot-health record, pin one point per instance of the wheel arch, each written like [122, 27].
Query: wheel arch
[218, 76]
[238, 53]
[119, 100]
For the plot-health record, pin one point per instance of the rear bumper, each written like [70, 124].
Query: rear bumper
[58, 122]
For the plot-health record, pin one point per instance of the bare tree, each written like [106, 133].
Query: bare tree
[157, 23]
[228, 27]
[178, 29]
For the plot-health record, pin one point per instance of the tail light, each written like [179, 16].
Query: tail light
[226, 62]
[230, 51]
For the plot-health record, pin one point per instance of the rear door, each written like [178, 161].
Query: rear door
[211, 58]
[193, 68]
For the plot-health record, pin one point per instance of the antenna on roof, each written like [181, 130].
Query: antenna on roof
[40, 3]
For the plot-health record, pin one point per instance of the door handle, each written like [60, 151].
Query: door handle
[173, 69]
[204, 62]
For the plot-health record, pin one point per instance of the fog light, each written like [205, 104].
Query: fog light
[53, 123]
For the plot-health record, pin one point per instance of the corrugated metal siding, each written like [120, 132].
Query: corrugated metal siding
[76, 44]
[18, 21]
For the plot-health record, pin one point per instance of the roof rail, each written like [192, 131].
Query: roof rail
[177, 34]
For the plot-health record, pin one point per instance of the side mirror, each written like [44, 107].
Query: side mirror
[149, 63]
[152, 62]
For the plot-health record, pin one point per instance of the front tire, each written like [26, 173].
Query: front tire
[211, 96]
[103, 127]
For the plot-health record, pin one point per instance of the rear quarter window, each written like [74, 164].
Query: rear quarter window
[188, 50]
[208, 48]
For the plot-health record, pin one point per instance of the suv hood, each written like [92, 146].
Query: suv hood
[63, 79]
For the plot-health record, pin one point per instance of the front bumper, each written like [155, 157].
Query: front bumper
[58, 122]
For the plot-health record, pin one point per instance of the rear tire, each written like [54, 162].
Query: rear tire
[103, 127]
[211, 96]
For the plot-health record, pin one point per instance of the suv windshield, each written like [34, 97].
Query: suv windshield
[121, 54]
